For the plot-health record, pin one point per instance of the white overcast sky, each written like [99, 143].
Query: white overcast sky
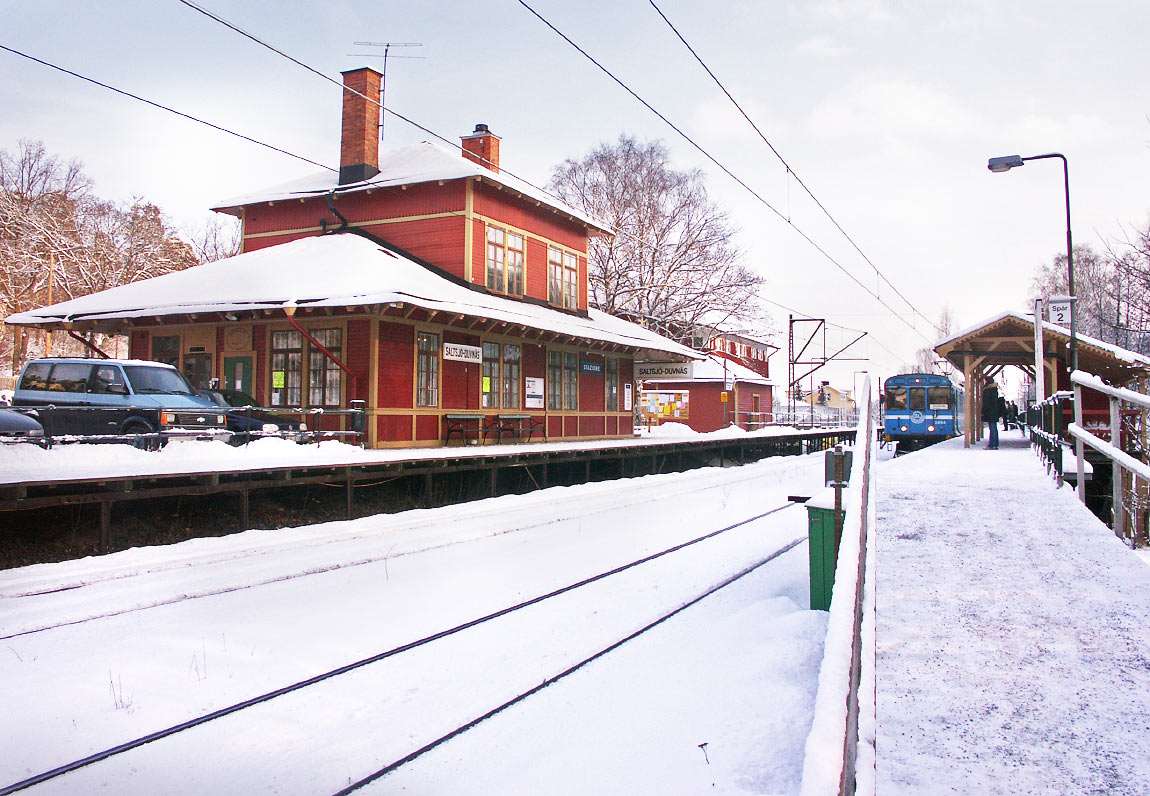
[887, 110]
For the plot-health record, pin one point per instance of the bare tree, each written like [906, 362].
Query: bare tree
[123, 244]
[672, 265]
[1130, 259]
[1099, 287]
[926, 361]
[38, 199]
[57, 241]
[218, 238]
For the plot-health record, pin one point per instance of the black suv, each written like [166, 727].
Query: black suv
[116, 397]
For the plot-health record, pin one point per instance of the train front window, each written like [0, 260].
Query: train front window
[895, 398]
[938, 398]
[918, 399]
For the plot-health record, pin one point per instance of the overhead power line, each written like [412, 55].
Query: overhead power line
[252, 37]
[288, 153]
[786, 165]
[722, 167]
[95, 82]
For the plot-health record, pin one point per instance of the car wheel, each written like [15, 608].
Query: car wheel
[146, 439]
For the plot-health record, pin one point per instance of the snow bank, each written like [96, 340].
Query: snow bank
[823, 763]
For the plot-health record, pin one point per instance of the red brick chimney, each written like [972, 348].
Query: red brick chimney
[359, 142]
[482, 146]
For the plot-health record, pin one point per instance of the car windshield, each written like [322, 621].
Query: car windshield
[214, 397]
[149, 379]
[237, 398]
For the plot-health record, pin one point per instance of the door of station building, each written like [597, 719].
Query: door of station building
[238, 374]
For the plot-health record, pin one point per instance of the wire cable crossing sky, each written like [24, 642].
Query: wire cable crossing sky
[884, 106]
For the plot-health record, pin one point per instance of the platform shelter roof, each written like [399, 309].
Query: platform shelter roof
[1008, 339]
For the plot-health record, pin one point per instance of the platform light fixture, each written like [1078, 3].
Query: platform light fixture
[1008, 162]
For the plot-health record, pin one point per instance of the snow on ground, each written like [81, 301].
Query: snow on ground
[25, 463]
[1013, 632]
[736, 672]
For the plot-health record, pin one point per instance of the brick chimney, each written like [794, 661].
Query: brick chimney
[482, 146]
[359, 141]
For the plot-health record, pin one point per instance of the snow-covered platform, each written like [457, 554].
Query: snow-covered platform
[1013, 632]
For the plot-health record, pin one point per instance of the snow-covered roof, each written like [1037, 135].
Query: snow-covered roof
[711, 369]
[1121, 354]
[424, 162]
[331, 271]
[750, 337]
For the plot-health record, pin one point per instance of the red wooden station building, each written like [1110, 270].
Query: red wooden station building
[424, 282]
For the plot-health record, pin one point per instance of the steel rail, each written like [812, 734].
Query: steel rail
[136, 743]
[648, 496]
[570, 670]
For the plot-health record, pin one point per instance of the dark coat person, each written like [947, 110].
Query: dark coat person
[991, 410]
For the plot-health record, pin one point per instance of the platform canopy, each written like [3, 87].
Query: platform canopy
[1009, 339]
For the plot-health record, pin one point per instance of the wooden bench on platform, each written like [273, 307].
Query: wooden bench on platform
[465, 426]
[518, 426]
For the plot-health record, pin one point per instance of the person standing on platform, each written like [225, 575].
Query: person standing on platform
[991, 411]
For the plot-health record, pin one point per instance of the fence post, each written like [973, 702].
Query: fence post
[1078, 450]
[838, 484]
[359, 420]
[1116, 469]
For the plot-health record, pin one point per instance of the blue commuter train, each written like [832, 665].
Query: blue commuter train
[920, 409]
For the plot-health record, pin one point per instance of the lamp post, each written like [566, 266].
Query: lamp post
[1008, 162]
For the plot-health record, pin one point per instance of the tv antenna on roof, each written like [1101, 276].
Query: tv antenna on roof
[386, 45]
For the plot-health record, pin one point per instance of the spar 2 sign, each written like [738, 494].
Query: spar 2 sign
[1058, 309]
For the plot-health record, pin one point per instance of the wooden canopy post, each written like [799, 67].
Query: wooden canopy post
[968, 378]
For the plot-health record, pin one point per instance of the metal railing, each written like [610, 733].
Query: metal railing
[846, 677]
[836, 419]
[311, 420]
[1048, 432]
[1122, 462]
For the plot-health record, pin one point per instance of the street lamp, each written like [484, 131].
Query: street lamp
[1008, 162]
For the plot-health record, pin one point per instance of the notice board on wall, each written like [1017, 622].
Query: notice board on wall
[660, 405]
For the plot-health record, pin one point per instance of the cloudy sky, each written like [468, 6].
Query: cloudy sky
[886, 109]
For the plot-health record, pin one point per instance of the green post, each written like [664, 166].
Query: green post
[823, 550]
[825, 527]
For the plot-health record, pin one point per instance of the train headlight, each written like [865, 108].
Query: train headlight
[930, 429]
[903, 429]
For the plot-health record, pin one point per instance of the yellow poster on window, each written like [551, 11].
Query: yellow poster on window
[487, 384]
[278, 379]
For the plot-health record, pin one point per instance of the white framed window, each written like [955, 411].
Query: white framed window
[489, 388]
[570, 281]
[287, 368]
[554, 379]
[427, 369]
[505, 259]
[570, 381]
[611, 384]
[495, 252]
[325, 379]
[501, 376]
[562, 279]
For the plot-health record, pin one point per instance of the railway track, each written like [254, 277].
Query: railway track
[393, 652]
[348, 547]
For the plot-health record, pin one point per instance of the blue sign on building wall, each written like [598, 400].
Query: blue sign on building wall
[587, 366]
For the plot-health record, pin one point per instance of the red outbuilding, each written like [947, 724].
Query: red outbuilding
[706, 396]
